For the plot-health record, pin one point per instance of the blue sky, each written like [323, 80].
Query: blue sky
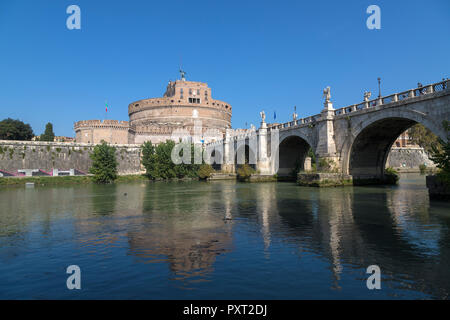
[255, 55]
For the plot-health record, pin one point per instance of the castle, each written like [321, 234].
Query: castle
[186, 108]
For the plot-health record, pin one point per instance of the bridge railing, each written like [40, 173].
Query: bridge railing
[297, 122]
[423, 90]
[419, 91]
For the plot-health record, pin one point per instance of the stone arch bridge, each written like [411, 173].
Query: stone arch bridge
[354, 140]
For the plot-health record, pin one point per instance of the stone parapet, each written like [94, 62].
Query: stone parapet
[101, 123]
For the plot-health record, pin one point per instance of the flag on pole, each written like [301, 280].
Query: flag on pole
[106, 103]
[274, 115]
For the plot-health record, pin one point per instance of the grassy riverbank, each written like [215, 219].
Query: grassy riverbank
[64, 180]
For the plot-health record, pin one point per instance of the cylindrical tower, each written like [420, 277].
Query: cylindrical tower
[184, 105]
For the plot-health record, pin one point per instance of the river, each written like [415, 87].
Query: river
[224, 240]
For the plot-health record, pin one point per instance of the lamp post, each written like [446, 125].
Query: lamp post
[379, 87]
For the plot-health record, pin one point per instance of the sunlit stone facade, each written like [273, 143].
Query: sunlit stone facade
[187, 108]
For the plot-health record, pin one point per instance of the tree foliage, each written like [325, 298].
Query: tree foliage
[48, 134]
[423, 137]
[158, 163]
[104, 163]
[441, 155]
[11, 129]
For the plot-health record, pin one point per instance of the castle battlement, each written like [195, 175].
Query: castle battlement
[172, 102]
[101, 123]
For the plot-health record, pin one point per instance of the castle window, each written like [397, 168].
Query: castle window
[190, 91]
[198, 92]
[194, 100]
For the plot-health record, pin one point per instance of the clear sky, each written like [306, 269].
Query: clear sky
[255, 55]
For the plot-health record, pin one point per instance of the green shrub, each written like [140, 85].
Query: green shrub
[244, 172]
[423, 169]
[327, 165]
[391, 176]
[205, 171]
[104, 163]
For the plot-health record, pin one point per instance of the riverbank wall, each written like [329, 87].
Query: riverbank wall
[408, 159]
[46, 156]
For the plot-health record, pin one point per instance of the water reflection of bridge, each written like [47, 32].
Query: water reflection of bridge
[189, 225]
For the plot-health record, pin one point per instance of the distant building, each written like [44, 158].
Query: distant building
[404, 140]
[186, 108]
[64, 139]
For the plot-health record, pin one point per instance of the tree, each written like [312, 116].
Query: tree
[158, 163]
[48, 135]
[149, 159]
[441, 156]
[15, 130]
[104, 163]
[423, 137]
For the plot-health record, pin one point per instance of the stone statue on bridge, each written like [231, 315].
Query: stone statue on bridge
[263, 116]
[367, 95]
[327, 94]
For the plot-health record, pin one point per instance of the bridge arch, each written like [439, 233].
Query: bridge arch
[292, 150]
[372, 139]
[245, 152]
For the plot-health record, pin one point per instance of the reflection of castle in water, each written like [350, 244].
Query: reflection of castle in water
[178, 230]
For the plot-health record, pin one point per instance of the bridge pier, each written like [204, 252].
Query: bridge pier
[263, 164]
[327, 158]
[228, 154]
